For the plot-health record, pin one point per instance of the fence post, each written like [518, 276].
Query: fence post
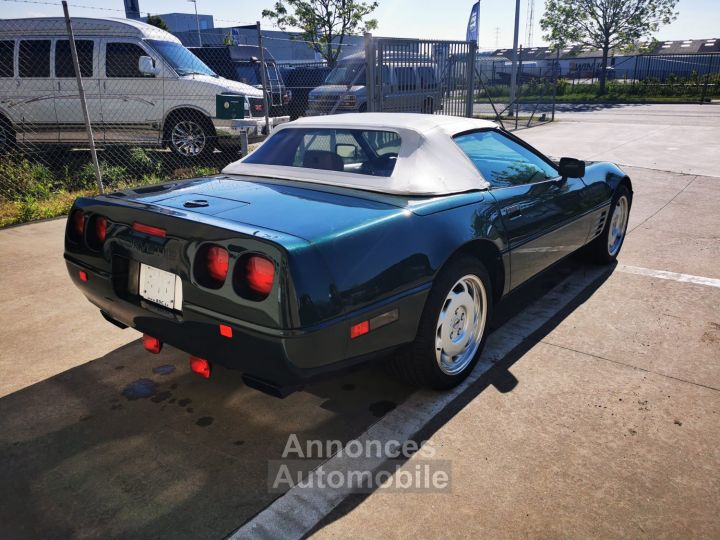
[83, 102]
[263, 72]
[370, 71]
[557, 78]
[244, 143]
[380, 94]
[470, 78]
[519, 86]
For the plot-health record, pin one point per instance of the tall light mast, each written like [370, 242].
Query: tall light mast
[530, 24]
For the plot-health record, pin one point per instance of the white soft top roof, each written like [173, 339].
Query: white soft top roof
[429, 161]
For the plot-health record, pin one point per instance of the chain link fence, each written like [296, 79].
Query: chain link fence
[152, 107]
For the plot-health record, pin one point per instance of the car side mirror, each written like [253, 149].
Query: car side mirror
[146, 66]
[571, 168]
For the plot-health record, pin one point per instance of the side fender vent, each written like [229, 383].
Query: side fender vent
[601, 223]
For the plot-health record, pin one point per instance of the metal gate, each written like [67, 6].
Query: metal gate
[424, 76]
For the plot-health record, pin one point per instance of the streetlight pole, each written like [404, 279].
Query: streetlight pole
[513, 73]
[197, 21]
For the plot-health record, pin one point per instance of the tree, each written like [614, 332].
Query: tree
[157, 22]
[604, 24]
[323, 24]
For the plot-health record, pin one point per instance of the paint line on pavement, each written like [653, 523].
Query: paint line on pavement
[674, 276]
[296, 512]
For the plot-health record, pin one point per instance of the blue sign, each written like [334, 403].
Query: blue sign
[235, 34]
[473, 23]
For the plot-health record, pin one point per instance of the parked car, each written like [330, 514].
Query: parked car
[242, 63]
[342, 238]
[301, 79]
[408, 83]
[142, 87]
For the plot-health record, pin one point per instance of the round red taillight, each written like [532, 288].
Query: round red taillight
[260, 274]
[101, 228]
[218, 262]
[78, 223]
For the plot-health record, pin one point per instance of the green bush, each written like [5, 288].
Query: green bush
[24, 178]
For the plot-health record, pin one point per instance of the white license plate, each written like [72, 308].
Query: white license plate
[160, 287]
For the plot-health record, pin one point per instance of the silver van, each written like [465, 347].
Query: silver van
[409, 83]
[142, 88]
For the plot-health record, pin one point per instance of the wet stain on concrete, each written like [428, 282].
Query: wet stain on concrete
[381, 408]
[184, 402]
[166, 369]
[205, 421]
[140, 389]
[161, 396]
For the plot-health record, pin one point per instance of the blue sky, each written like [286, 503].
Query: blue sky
[440, 19]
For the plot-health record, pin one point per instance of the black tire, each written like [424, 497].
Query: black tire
[190, 135]
[599, 250]
[418, 363]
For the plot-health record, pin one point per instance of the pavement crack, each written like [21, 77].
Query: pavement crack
[618, 362]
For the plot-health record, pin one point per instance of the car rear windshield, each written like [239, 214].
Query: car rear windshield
[344, 150]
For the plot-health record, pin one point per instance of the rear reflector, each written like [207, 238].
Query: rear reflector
[151, 344]
[82, 274]
[200, 366]
[78, 223]
[359, 329]
[147, 229]
[225, 331]
[260, 274]
[218, 262]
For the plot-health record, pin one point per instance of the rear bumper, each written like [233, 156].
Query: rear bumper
[281, 358]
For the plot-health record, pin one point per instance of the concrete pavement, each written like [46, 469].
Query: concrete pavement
[678, 138]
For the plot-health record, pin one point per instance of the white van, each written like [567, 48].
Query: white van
[409, 83]
[142, 87]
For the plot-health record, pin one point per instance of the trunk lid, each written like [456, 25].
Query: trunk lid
[311, 213]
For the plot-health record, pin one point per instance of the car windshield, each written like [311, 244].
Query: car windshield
[180, 59]
[348, 73]
[250, 73]
[356, 151]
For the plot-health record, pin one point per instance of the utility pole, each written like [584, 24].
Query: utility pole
[513, 73]
[263, 71]
[530, 24]
[83, 101]
[197, 22]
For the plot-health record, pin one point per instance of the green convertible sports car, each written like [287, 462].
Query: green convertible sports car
[341, 238]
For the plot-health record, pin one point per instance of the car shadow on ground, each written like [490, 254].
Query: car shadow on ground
[498, 376]
[134, 445]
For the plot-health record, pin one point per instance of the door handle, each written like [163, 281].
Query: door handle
[513, 211]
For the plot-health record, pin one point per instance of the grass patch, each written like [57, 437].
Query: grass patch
[31, 189]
